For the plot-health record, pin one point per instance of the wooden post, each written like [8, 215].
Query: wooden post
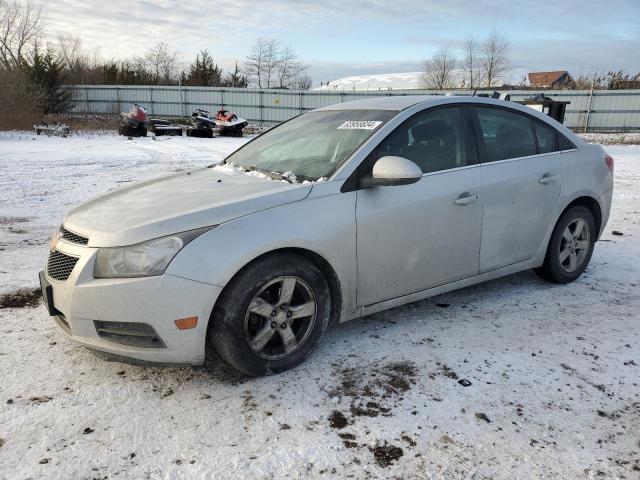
[586, 120]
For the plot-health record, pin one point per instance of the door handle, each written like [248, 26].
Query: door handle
[466, 198]
[547, 178]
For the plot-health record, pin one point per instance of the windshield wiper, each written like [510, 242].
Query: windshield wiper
[268, 173]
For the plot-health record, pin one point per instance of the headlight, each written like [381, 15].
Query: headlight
[143, 259]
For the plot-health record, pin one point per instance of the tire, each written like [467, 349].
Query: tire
[167, 132]
[254, 343]
[200, 132]
[129, 131]
[557, 266]
[229, 132]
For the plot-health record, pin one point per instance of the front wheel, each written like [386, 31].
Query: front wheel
[570, 247]
[272, 315]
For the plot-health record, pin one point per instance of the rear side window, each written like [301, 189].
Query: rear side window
[505, 134]
[547, 137]
[564, 143]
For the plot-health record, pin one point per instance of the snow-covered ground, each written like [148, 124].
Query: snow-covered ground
[554, 371]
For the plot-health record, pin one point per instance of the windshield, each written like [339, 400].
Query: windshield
[311, 146]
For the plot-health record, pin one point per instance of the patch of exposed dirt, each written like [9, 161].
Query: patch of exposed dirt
[447, 372]
[372, 392]
[338, 420]
[369, 409]
[388, 381]
[410, 441]
[25, 297]
[386, 454]
[483, 417]
[13, 220]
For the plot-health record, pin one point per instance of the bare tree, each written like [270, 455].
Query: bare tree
[271, 64]
[288, 68]
[471, 60]
[494, 59]
[438, 70]
[69, 50]
[272, 54]
[261, 63]
[254, 64]
[162, 62]
[21, 26]
[303, 82]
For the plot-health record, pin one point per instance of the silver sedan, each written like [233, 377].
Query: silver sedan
[335, 214]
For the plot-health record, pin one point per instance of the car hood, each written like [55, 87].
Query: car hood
[177, 203]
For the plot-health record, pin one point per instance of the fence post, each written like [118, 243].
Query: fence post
[183, 100]
[586, 120]
[261, 106]
[151, 97]
[86, 99]
[118, 99]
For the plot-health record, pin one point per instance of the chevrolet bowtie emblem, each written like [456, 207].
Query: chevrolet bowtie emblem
[54, 240]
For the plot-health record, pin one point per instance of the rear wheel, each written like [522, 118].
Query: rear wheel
[129, 131]
[570, 247]
[270, 318]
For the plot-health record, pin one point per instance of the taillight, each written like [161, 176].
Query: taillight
[608, 159]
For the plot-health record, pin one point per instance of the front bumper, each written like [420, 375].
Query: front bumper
[80, 301]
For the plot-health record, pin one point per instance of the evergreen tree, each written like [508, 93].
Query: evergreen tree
[204, 72]
[45, 75]
[236, 79]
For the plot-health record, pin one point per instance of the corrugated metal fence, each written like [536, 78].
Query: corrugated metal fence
[598, 110]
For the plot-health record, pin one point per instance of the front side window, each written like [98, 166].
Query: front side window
[310, 146]
[433, 139]
[505, 134]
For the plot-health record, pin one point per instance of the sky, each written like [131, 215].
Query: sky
[339, 38]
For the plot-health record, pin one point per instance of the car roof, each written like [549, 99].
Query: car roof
[395, 102]
[398, 103]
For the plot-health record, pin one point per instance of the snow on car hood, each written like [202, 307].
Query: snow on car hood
[177, 203]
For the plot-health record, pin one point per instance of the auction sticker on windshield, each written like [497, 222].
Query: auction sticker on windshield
[359, 125]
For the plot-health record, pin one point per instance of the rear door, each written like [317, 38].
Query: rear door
[414, 237]
[522, 172]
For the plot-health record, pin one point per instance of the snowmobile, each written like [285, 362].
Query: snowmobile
[229, 123]
[134, 122]
[224, 123]
[201, 125]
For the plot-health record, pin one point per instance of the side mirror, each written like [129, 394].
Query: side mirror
[392, 171]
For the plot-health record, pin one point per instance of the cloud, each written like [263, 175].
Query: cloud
[338, 38]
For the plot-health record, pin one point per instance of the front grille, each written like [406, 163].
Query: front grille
[129, 333]
[60, 266]
[73, 237]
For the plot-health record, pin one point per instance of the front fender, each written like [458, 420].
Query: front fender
[323, 224]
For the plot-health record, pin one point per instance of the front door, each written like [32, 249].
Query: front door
[415, 237]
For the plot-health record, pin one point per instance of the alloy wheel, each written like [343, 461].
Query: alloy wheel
[574, 245]
[280, 317]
